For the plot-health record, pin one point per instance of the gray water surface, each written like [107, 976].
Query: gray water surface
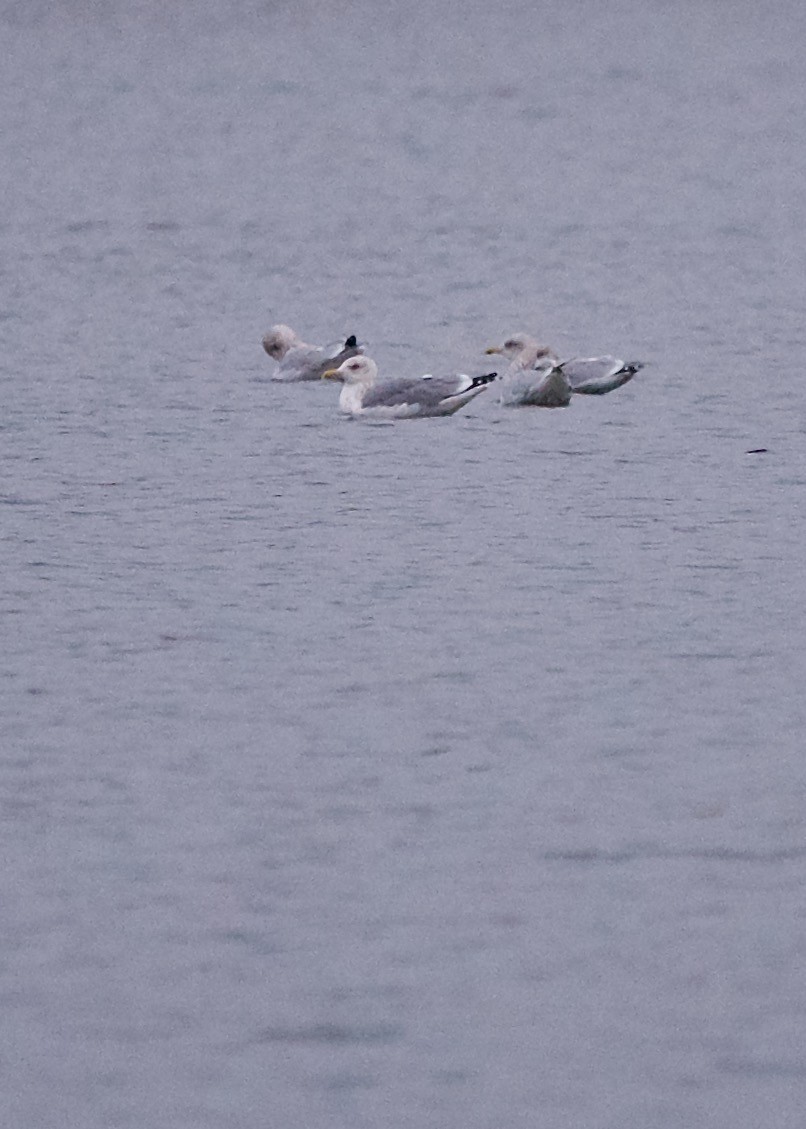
[438, 775]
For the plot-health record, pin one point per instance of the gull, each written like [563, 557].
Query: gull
[404, 398]
[298, 361]
[536, 375]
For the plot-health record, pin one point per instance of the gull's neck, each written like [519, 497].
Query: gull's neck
[352, 396]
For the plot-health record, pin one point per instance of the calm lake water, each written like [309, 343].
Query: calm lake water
[437, 775]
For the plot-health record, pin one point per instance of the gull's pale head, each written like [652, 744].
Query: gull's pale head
[279, 340]
[355, 370]
[513, 346]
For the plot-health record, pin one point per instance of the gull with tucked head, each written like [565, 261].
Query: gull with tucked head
[404, 398]
[537, 377]
[298, 361]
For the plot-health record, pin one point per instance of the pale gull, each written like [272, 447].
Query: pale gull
[536, 376]
[406, 398]
[298, 361]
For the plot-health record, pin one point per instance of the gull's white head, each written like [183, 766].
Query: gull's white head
[279, 340]
[355, 370]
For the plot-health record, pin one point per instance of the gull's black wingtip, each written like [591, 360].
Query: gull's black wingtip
[485, 378]
[351, 342]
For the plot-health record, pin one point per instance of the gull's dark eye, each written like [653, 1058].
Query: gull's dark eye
[511, 344]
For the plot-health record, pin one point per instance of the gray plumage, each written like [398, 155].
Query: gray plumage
[427, 391]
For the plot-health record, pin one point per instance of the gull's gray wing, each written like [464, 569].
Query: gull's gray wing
[305, 362]
[426, 392]
[594, 376]
[310, 361]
